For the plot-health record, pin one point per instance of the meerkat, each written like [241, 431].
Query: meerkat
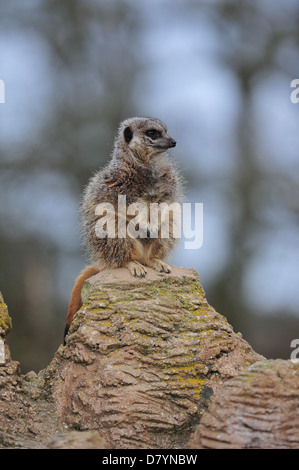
[141, 170]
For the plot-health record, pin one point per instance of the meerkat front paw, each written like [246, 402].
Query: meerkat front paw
[136, 269]
[160, 266]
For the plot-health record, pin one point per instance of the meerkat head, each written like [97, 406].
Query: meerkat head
[144, 137]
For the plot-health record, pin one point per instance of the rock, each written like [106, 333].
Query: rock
[77, 440]
[16, 414]
[13, 405]
[143, 359]
[258, 409]
[26, 418]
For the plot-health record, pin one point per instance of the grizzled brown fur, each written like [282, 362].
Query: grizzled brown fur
[141, 170]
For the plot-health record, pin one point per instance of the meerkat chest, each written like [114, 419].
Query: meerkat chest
[149, 184]
[157, 187]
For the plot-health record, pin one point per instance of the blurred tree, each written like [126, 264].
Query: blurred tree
[92, 76]
[93, 57]
[254, 33]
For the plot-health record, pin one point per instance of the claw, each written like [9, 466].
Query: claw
[161, 267]
[136, 269]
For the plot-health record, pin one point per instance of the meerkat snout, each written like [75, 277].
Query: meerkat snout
[165, 143]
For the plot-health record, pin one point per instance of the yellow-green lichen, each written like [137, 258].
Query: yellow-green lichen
[5, 320]
[186, 378]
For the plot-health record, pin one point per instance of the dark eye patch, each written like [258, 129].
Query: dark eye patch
[153, 134]
[128, 134]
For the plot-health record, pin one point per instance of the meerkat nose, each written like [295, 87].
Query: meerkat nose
[172, 143]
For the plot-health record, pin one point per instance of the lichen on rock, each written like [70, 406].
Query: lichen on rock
[258, 409]
[5, 320]
[143, 358]
[148, 363]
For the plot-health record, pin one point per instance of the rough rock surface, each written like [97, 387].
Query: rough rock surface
[143, 358]
[77, 440]
[258, 409]
[26, 417]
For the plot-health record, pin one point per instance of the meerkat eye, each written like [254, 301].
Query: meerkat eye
[153, 134]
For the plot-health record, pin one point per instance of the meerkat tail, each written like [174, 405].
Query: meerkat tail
[75, 302]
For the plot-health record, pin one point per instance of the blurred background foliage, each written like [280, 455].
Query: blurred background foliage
[218, 73]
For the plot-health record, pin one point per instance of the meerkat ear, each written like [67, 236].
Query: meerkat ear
[128, 134]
